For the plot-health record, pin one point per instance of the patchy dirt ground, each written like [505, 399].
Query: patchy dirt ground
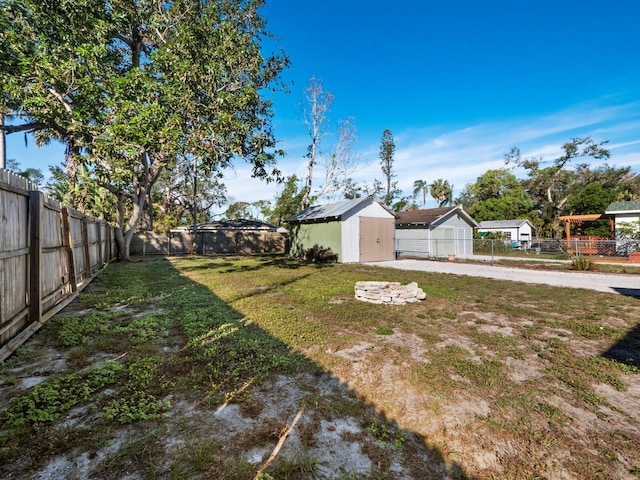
[449, 394]
[311, 414]
[458, 425]
[312, 419]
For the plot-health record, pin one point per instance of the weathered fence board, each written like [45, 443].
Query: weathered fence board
[208, 242]
[47, 254]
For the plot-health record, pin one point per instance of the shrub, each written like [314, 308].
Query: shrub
[318, 254]
[582, 263]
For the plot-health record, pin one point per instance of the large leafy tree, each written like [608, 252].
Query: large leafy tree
[287, 202]
[552, 186]
[629, 187]
[496, 195]
[593, 198]
[596, 189]
[48, 68]
[131, 85]
[176, 201]
[258, 210]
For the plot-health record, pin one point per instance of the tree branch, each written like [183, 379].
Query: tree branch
[61, 99]
[27, 127]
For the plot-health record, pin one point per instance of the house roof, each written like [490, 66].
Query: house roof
[623, 207]
[504, 223]
[430, 216]
[235, 224]
[331, 211]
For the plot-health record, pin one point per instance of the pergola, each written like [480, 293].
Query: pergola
[579, 219]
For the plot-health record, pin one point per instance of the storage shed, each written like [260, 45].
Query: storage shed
[358, 230]
[435, 232]
[520, 230]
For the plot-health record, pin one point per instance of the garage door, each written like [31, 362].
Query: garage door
[377, 239]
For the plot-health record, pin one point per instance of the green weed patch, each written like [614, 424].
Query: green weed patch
[480, 363]
[47, 401]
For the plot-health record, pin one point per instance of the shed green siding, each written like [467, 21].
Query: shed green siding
[308, 235]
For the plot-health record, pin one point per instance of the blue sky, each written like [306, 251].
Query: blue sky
[458, 82]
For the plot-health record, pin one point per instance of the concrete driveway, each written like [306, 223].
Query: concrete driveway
[603, 282]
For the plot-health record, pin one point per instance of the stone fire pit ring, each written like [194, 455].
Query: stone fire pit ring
[392, 293]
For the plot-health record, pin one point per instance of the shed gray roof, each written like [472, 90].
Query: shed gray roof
[504, 223]
[619, 207]
[330, 211]
[429, 216]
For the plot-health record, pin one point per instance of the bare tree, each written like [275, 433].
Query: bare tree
[338, 160]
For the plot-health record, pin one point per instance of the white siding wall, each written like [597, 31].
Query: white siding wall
[517, 234]
[351, 239]
[376, 210]
[413, 241]
[463, 234]
[453, 236]
[526, 232]
[351, 230]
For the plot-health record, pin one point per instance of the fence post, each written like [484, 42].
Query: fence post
[492, 240]
[35, 254]
[85, 241]
[577, 247]
[67, 239]
[100, 260]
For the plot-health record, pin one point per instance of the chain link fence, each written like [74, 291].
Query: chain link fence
[544, 248]
[557, 248]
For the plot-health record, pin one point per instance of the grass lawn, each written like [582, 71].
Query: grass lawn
[266, 368]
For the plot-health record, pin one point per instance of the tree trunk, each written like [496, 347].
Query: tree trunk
[141, 195]
[304, 202]
[146, 222]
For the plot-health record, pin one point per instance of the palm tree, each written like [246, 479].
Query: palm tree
[449, 199]
[421, 186]
[441, 192]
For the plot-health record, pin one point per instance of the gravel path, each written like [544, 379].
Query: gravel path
[611, 283]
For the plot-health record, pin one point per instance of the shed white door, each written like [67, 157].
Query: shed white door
[443, 239]
[461, 241]
[377, 239]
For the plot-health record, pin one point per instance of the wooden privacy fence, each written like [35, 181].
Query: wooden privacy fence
[48, 253]
[208, 242]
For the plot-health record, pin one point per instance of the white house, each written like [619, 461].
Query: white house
[520, 230]
[358, 230]
[626, 214]
[435, 232]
